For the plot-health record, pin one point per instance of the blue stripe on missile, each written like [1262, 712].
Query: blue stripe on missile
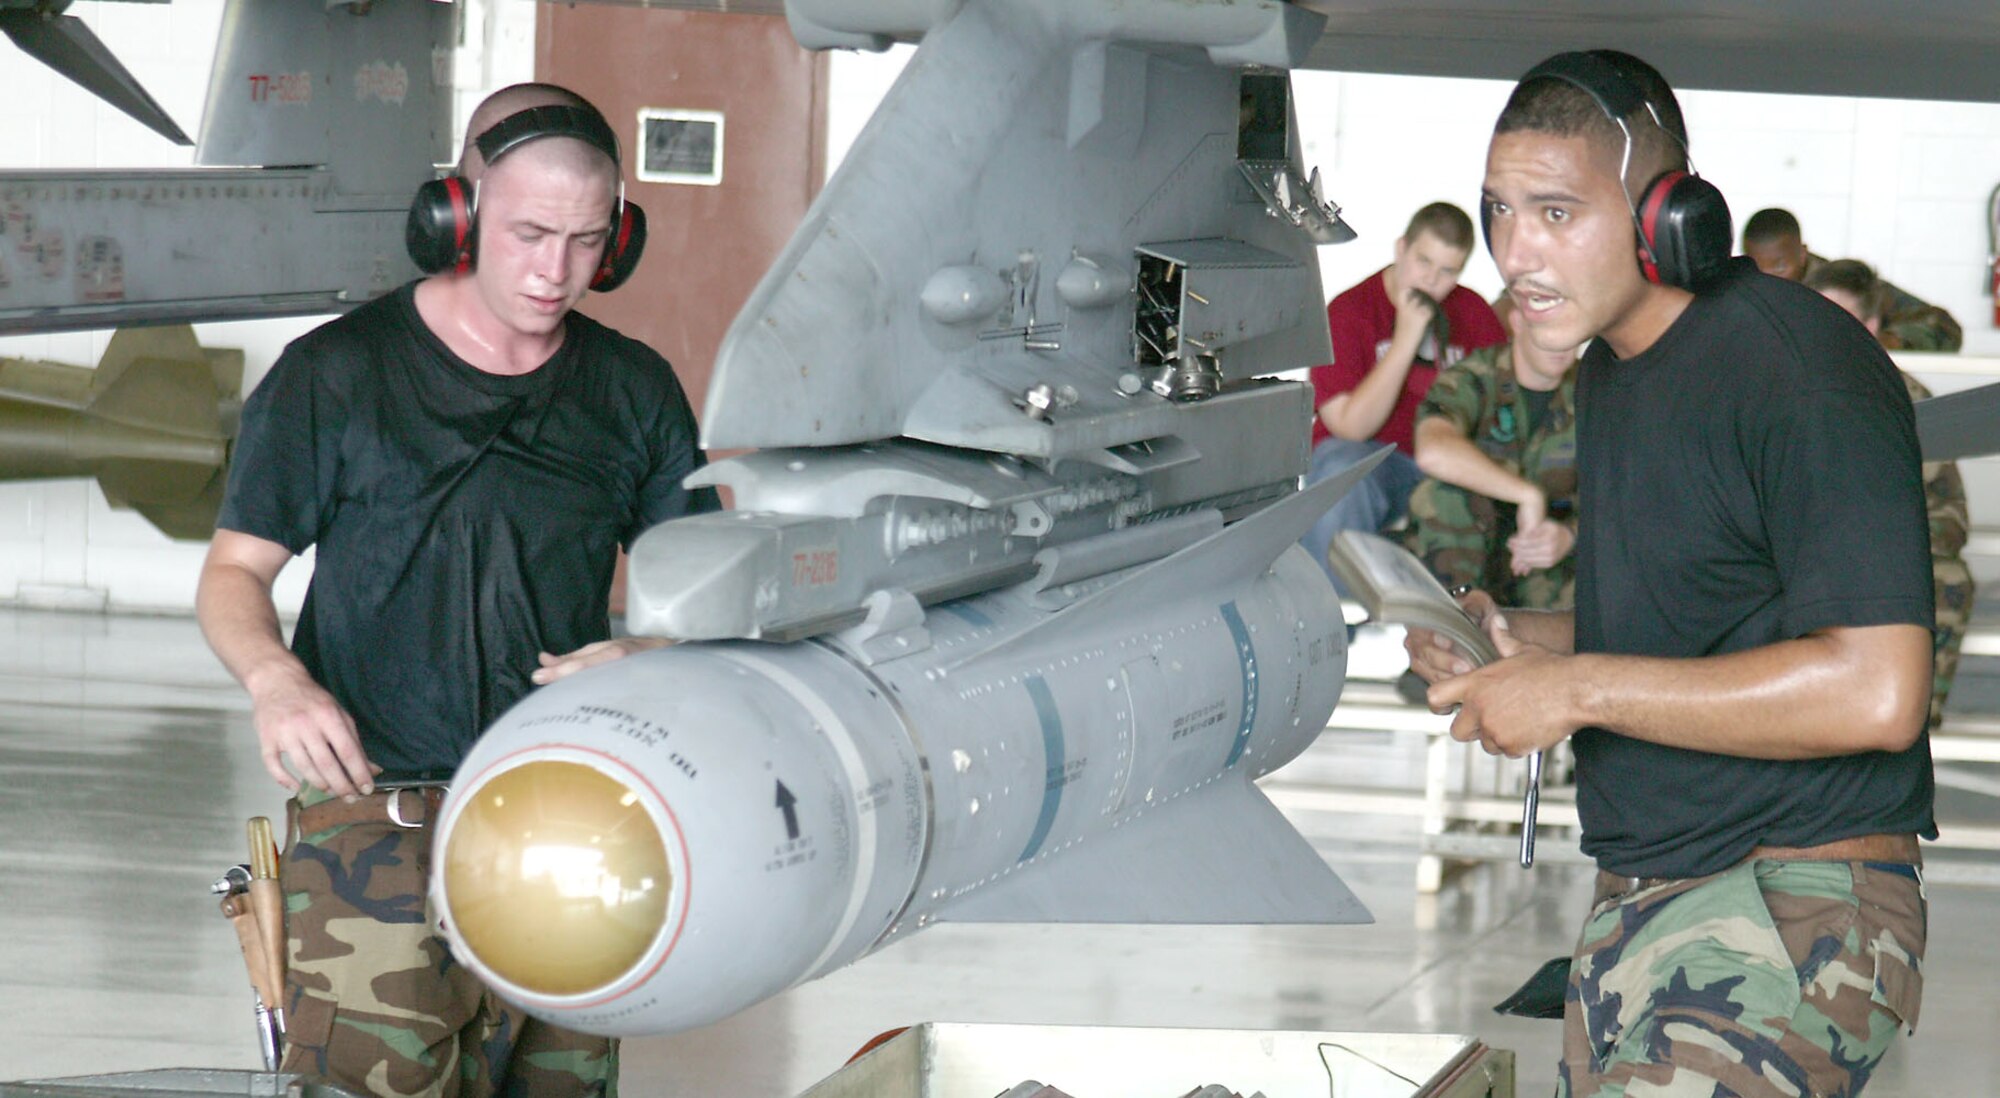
[1246, 662]
[970, 615]
[1052, 751]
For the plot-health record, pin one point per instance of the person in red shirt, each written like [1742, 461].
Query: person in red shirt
[1390, 338]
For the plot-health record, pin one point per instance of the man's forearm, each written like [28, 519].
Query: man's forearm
[240, 621]
[1368, 404]
[1554, 630]
[1813, 697]
[1450, 457]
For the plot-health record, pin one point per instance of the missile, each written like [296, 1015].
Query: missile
[153, 422]
[657, 843]
[1009, 614]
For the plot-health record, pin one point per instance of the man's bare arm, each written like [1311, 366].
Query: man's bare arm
[1444, 452]
[1361, 411]
[295, 718]
[1834, 692]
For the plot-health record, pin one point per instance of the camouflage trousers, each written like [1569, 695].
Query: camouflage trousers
[376, 1003]
[1953, 590]
[1462, 537]
[1774, 978]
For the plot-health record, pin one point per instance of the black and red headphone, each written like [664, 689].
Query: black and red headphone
[1683, 221]
[442, 230]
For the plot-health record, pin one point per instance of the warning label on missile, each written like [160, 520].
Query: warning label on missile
[639, 730]
[797, 849]
[1208, 716]
[875, 797]
[789, 805]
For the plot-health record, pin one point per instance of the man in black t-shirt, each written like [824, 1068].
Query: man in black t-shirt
[1745, 676]
[466, 455]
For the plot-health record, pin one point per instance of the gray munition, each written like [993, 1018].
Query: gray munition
[1021, 516]
[153, 423]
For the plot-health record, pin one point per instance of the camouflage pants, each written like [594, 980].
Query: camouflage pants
[1462, 537]
[1953, 588]
[376, 1003]
[1775, 978]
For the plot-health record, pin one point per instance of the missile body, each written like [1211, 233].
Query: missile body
[1010, 612]
[657, 843]
[153, 422]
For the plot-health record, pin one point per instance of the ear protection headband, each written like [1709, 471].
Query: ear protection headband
[442, 230]
[1682, 219]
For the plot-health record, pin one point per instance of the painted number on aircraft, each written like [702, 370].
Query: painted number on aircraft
[283, 87]
[815, 567]
[382, 80]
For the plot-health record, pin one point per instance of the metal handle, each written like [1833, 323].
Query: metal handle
[1530, 801]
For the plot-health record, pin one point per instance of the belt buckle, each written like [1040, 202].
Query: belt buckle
[396, 808]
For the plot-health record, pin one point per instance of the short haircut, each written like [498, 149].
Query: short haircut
[1554, 106]
[1442, 220]
[1771, 224]
[1853, 277]
[506, 102]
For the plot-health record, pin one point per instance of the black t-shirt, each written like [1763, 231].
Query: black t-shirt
[1750, 478]
[464, 520]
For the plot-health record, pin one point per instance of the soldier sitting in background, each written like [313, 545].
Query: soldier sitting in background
[1391, 334]
[1496, 440]
[1852, 285]
[1771, 237]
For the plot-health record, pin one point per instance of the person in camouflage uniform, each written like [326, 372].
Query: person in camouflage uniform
[1909, 323]
[1496, 440]
[1853, 286]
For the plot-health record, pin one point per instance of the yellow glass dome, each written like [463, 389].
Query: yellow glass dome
[556, 877]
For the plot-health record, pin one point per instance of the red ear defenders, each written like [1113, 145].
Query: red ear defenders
[1682, 219]
[442, 230]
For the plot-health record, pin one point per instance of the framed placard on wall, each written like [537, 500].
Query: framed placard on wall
[680, 146]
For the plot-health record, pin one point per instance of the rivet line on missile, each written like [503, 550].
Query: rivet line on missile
[1152, 804]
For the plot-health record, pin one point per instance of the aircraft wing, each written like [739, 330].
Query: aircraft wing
[1936, 49]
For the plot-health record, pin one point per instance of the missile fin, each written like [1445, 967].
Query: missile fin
[193, 520]
[161, 378]
[66, 44]
[1220, 855]
[1232, 556]
[1959, 425]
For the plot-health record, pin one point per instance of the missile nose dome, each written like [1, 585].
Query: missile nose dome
[556, 877]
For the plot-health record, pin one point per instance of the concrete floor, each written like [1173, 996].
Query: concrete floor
[127, 768]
